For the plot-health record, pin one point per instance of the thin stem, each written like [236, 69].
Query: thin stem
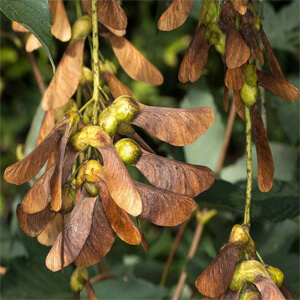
[191, 254]
[173, 251]
[85, 105]
[95, 58]
[78, 8]
[79, 96]
[37, 73]
[249, 166]
[259, 257]
[226, 138]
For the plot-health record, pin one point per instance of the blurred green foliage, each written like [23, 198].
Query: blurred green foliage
[275, 227]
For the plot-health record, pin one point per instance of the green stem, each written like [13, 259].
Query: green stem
[249, 166]
[78, 9]
[79, 96]
[95, 58]
[85, 105]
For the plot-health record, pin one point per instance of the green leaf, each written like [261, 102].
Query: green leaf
[207, 148]
[280, 203]
[35, 16]
[128, 288]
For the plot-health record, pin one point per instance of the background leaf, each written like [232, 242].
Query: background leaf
[35, 16]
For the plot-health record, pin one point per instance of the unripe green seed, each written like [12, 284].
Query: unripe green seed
[85, 76]
[93, 136]
[256, 21]
[249, 94]
[110, 67]
[73, 118]
[82, 28]
[125, 108]
[68, 199]
[70, 105]
[247, 271]
[91, 188]
[250, 75]
[209, 12]
[79, 277]
[216, 37]
[128, 150]
[239, 234]
[276, 275]
[107, 120]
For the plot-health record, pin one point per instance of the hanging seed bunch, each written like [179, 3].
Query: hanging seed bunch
[86, 194]
[235, 31]
[236, 274]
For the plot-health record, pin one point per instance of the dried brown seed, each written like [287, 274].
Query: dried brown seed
[268, 289]
[64, 84]
[216, 278]
[164, 208]
[258, 53]
[175, 15]
[239, 104]
[265, 169]
[141, 69]
[47, 125]
[175, 126]
[178, 177]
[235, 78]
[18, 27]
[117, 88]
[32, 43]
[240, 6]
[226, 98]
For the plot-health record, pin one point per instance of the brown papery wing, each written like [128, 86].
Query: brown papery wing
[268, 289]
[230, 295]
[118, 218]
[164, 208]
[175, 126]
[39, 196]
[76, 232]
[32, 43]
[199, 61]
[226, 98]
[28, 167]
[116, 87]
[119, 182]
[110, 13]
[235, 78]
[133, 62]
[64, 84]
[278, 86]
[237, 51]
[240, 6]
[174, 176]
[239, 104]
[175, 15]
[216, 278]
[34, 224]
[47, 125]
[273, 63]
[99, 241]
[52, 230]
[258, 53]
[185, 67]
[61, 28]
[265, 168]
[18, 27]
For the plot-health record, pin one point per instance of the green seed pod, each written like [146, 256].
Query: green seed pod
[79, 277]
[80, 177]
[110, 67]
[249, 94]
[91, 188]
[276, 275]
[249, 295]
[68, 199]
[70, 105]
[73, 118]
[93, 171]
[239, 234]
[128, 150]
[256, 20]
[86, 75]
[247, 271]
[216, 37]
[208, 13]
[125, 129]
[125, 108]
[107, 120]
[250, 75]
[81, 28]
[93, 136]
